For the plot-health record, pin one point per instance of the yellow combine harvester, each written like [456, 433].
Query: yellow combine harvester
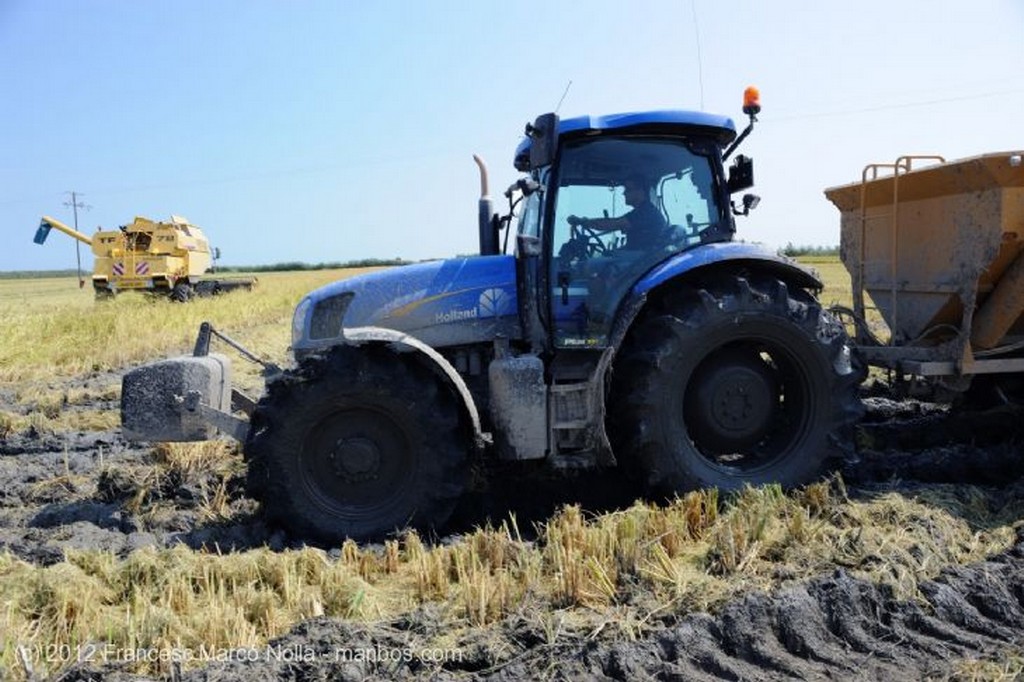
[170, 258]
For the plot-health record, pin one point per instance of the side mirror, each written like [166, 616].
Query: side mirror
[543, 134]
[750, 202]
[525, 185]
[741, 174]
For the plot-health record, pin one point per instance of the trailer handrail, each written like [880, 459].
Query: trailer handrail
[903, 165]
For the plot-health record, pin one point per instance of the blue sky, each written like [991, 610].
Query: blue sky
[332, 131]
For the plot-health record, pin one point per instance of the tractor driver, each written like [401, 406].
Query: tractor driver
[644, 226]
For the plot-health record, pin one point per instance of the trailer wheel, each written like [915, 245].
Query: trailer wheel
[355, 445]
[741, 382]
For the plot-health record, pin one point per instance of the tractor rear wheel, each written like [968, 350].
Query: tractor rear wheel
[356, 444]
[740, 382]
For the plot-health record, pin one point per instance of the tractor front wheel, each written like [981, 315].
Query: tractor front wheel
[357, 444]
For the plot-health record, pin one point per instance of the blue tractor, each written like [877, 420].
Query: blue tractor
[626, 329]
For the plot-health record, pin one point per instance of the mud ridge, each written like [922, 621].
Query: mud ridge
[930, 443]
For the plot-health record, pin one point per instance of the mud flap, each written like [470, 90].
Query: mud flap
[161, 401]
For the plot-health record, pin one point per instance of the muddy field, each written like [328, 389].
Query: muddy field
[92, 490]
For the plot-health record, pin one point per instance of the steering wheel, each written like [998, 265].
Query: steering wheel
[591, 240]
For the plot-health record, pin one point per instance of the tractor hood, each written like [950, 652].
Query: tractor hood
[442, 303]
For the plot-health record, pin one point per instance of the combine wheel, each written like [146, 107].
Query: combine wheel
[181, 292]
[741, 382]
[357, 444]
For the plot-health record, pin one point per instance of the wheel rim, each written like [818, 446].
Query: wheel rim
[747, 405]
[358, 463]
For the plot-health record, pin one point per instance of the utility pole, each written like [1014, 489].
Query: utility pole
[75, 204]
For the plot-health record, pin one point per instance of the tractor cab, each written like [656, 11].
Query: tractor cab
[612, 198]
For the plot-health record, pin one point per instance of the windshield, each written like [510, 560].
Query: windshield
[623, 205]
[678, 182]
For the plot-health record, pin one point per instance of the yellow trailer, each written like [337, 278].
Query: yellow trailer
[937, 248]
[171, 258]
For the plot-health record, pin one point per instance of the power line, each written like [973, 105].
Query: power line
[889, 107]
[333, 166]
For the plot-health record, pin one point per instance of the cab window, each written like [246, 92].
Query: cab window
[623, 206]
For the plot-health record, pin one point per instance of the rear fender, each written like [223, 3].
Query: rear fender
[735, 254]
[702, 261]
[356, 336]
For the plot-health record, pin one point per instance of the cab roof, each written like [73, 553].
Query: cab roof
[669, 121]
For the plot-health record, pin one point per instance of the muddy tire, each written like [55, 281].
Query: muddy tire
[181, 292]
[991, 390]
[357, 444]
[740, 382]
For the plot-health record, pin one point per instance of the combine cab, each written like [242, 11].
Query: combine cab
[171, 258]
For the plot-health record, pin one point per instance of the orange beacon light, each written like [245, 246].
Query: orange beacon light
[751, 101]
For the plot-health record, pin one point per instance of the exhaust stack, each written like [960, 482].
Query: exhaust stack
[486, 217]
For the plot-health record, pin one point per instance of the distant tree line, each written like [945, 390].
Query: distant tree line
[274, 267]
[297, 266]
[39, 274]
[794, 251]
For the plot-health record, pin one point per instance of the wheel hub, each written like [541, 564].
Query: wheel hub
[356, 459]
[733, 403]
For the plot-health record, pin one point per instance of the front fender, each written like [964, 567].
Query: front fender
[738, 253]
[357, 336]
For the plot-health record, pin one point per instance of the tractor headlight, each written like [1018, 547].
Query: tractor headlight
[299, 321]
[328, 316]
